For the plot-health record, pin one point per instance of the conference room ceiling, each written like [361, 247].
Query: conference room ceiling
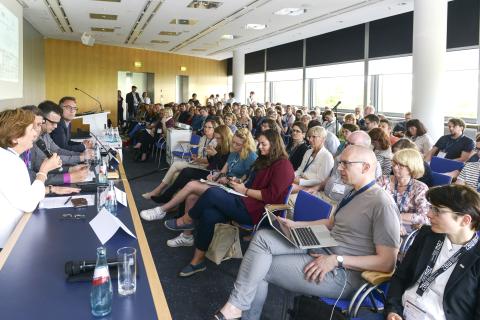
[171, 26]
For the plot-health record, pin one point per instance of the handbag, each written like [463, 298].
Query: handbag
[312, 308]
[225, 243]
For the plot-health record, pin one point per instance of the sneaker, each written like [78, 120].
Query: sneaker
[147, 195]
[153, 214]
[191, 269]
[171, 224]
[182, 240]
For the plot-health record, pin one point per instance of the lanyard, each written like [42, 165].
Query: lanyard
[404, 195]
[309, 161]
[352, 195]
[207, 143]
[234, 162]
[428, 277]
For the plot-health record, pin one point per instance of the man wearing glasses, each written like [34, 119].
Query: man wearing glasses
[51, 115]
[61, 135]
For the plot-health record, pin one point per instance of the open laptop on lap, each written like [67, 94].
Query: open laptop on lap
[309, 237]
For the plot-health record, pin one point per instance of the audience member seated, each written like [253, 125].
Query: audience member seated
[365, 225]
[358, 116]
[386, 126]
[455, 146]
[417, 132]
[361, 121]
[405, 143]
[258, 119]
[331, 141]
[317, 162]
[199, 120]
[371, 121]
[306, 118]
[297, 146]
[401, 128]
[17, 193]
[438, 278]
[347, 129]
[333, 190]
[264, 186]
[330, 124]
[382, 149]
[287, 120]
[229, 119]
[268, 124]
[199, 160]
[244, 121]
[470, 174]
[61, 135]
[408, 193]
[349, 118]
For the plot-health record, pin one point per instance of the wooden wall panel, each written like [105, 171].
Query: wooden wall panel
[69, 64]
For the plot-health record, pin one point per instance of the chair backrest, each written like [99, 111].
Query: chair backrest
[194, 141]
[439, 179]
[309, 208]
[442, 165]
[283, 213]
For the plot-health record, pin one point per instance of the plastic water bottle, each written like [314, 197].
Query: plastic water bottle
[101, 295]
[111, 201]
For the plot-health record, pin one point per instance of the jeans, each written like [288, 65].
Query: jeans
[272, 259]
[216, 206]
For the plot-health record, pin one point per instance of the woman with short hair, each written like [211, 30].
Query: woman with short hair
[17, 194]
[407, 192]
[439, 276]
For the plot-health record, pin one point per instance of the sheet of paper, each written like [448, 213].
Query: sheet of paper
[105, 225]
[219, 185]
[59, 202]
[121, 196]
[90, 176]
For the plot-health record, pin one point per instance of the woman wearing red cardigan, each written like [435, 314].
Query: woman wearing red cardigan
[268, 183]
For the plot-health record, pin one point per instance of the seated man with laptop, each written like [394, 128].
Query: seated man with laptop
[365, 226]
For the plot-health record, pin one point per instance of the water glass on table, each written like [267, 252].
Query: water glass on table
[127, 271]
[102, 192]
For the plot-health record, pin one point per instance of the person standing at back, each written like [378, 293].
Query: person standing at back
[132, 99]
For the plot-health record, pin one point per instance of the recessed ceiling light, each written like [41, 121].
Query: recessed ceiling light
[228, 37]
[290, 12]
[255, 26]
[102, 16]
[183, 21]
[169, 33]
[401, 3]
[159, 41]
[102, 29]
[199, 49]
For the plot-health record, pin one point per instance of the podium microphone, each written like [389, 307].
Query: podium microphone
[43, 147]
[98, 101]
[336, 106]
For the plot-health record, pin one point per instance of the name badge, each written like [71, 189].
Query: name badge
[441, 154]
[338, 188]
[413, 312]
[159, 130]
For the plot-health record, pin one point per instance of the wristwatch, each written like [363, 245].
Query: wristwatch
[340, 261]
[50, 189]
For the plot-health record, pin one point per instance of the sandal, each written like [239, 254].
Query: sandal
[219, 316]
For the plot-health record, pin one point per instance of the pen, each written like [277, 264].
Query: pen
[69, 198]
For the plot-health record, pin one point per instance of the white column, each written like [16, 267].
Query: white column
[238, 76]
[429, 50]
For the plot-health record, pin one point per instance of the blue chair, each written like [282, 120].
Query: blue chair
[158, 147]
[442, 165]
[439, 179]
[309, 208]
[188, 150]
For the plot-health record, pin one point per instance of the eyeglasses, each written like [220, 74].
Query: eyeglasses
[70, 108]
[345, 163]
[52, 122]
[313, 137]
[437, 212]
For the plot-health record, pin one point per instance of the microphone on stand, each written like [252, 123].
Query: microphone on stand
[98, 101]
[43, 147]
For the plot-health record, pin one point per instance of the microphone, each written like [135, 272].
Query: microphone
[77, 267]
[98, 101]
[336, 106]
[43, 147]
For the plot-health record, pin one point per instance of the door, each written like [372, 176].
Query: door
[182, 89]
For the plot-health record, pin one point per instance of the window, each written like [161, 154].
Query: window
[461, 83]
[255, 82]
[286, 86]
[390, 84]
[339, 82]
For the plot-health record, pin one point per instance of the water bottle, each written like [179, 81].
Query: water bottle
[98, 155]
[101, 295]
[111, 201]
[102, 172]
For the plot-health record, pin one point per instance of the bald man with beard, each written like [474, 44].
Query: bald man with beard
[365, 225]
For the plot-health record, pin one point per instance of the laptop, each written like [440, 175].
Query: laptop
[309, 237]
